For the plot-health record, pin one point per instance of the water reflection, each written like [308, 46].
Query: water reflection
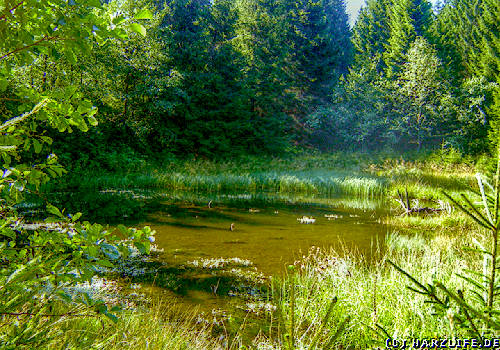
[265, 227]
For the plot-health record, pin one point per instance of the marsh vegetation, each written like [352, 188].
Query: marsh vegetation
[273, 280]
[195, 174]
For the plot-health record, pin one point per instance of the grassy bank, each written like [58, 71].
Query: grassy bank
[373, 297]
[359, 175]
[129, 192]
[329, 299]
[152, 328]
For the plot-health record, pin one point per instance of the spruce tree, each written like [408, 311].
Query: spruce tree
[407, 20]
[319, 38]
[444, 38]
[490, 62]
[371, 32]
[340, 32]
[474, 35]
[260, 32]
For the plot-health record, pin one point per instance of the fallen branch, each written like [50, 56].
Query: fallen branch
[405, 204]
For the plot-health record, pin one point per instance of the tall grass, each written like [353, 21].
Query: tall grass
[357, 175]
[330, 300]
[374, 296]
[325, 183]
[452, 224]
[157, 327]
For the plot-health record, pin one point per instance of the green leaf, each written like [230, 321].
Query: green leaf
[51, 172]
[3, 84]
[37, 145]
[141, 247]
[83, 126]
[94, 3]
[46, 139]
[119, 33]
[70, 56]
[53, 210]
[8, 232]
[143, 14]
[22, 253]
[92, 120]
[110, 251]
[138, 28]
[105, 263]
[111, 317]
[118, 20]
[76, 217]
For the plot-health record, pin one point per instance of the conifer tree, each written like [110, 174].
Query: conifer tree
[407, 20]
[319, 38]
[371, 32]
[260, 31]
[339, 30]
[212, 113]
[444, 37]
[473, 27]
[474, 47]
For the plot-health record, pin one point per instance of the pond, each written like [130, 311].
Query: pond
[209, 266]
[270, 231]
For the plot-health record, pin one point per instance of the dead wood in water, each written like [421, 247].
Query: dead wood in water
[405, 204]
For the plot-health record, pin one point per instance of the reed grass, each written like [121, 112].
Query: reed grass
[357, 175]
[159, 326]
[289, 183]
[374, 296]
[430, 225]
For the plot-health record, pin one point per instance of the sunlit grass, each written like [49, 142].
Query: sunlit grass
[332, 290]
[450, 224]
[356, 174]
[292, 183]
[374, 296]
[157, 327]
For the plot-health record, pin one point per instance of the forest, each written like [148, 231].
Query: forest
[225, 174]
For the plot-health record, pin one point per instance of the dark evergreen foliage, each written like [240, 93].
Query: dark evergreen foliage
[371, 32]
[449, 86]
[218, 78]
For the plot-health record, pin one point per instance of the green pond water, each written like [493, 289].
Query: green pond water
[266, 232]
[271, 237]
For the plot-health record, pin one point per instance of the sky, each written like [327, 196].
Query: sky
[353, 7]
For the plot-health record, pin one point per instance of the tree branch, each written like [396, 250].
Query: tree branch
[3, 17]
[45, 38]
[10, 99]
[21, 118]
